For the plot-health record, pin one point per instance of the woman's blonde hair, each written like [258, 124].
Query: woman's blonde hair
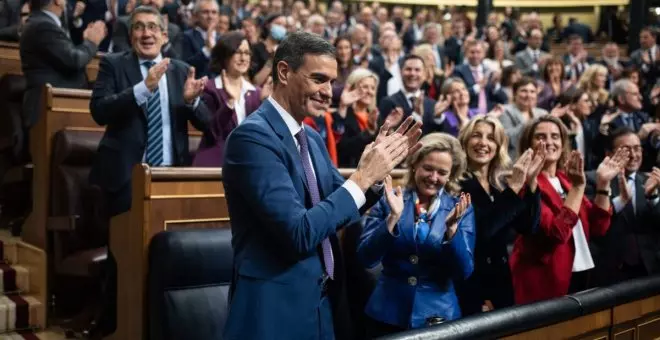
[528, 135]
[587, 80]
[423, 51]
[441, 142]
[356, 76]
[501, 162]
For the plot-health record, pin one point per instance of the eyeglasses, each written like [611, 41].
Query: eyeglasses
[141, 27]
[634, 148]
[244, 53]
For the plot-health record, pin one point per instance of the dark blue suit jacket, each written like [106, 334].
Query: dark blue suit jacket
[387, 104]
[464, 72]
[417, 279]
[277, 232]
[193, 43]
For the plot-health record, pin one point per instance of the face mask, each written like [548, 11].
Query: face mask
[277, 32]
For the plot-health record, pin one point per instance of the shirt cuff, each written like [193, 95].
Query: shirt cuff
[439, 120]
[417, 117]
[655, 201]
[141, 93]
[108, 16]
[356, 193]
[206, 51]
[617, 202]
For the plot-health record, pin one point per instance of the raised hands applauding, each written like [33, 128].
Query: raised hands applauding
[395, 202]
[389, 149]
[527, 168]
[455, 215]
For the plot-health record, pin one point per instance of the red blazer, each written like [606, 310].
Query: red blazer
[542, 263]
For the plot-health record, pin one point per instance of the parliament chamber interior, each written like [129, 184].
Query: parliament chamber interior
[100, 241]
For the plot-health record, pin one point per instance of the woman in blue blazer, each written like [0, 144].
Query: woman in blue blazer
[423, 236]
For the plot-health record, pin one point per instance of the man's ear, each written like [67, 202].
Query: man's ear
[283, 72]
[166, 36]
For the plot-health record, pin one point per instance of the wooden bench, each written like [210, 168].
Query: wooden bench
[163, 199]
[10, 61]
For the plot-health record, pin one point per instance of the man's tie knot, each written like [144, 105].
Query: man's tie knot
[149, 64]
[301, 137]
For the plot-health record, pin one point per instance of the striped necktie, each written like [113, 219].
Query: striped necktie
[154, 156]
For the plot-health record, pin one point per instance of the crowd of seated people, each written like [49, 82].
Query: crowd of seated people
[538, 174]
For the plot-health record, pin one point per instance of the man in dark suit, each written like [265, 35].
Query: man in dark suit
[576, 28]
[628, 99]
[630, 248]
[647, 57]
[13, 32]
[387, 65]
[199, 41]
[287, 201]
[611, 59]
[121, 35]
[49, 57]
[410, 101]
[577, 60]
[454, 45]
[475, 76]
[126, 91]
[145, 102]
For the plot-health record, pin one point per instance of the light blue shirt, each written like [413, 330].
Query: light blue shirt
[142, 95]
[53, 16]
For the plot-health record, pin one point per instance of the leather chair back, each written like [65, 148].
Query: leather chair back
[190, 272]
[12, 135]
[71, 195]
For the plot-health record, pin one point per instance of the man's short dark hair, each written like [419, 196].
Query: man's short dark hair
[574, 37]
[650, 30]
[296, 46]
[38, 4]
[412, 57]
[146, 10]
[614, 135]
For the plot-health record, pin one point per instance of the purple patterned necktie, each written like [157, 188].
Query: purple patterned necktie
[316, 197]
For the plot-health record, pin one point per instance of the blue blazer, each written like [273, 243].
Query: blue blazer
[276, 233]
[417, 280]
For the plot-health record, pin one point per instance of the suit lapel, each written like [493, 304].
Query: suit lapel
[277, 123]
[640, 197]
[467, 73]
[438, 227]
[408, 214]
[320, 168]
[402, 98]
[132, 69]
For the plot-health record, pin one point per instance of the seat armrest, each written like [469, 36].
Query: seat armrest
[63, 223]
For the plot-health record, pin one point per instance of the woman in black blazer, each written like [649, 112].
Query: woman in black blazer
[503, 205]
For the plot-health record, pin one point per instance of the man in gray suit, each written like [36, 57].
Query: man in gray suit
[647, 57]
[531, 59]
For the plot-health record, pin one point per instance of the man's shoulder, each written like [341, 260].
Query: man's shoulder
[117, 59]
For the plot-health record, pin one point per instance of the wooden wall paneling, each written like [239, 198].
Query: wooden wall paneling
[569, 329]
[636, 309]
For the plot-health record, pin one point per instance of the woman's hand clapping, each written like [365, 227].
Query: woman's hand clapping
[455, 215]
[395, 201]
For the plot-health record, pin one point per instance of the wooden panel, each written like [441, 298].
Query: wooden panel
[10, 59]
[625, 334]
[636, 309]
[568, 329]
[649, 329]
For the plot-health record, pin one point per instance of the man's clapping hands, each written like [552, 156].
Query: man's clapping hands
[389, 149]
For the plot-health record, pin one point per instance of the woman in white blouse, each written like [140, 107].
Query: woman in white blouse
[554, 261]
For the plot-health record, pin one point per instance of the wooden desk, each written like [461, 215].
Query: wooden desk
[163, 199]
[10, 61]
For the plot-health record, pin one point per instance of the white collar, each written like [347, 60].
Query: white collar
[53, 16]
[156, 60]
[533, 51]
[290, 122]
[411, 94]
[245, 85]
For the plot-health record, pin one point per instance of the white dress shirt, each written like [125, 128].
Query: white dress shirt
[295, 127]
[239, 104]
[582, 260]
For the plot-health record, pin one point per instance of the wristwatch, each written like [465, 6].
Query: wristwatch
[607, 193]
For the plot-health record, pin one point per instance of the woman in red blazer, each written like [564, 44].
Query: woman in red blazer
[554, 260]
